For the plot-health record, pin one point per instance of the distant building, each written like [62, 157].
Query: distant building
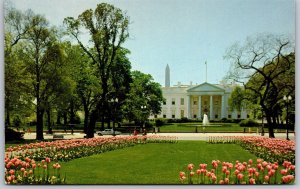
[193, 101]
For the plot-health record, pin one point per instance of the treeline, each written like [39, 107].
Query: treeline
[52, 73]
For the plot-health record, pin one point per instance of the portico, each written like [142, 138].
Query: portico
[206, 99]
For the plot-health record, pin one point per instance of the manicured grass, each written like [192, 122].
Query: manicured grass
[215, 127]
[149, 163]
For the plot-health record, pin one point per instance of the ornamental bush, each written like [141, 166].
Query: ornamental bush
[248, 123]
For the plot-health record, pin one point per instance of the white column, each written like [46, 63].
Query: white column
[199, 106]
[223, 107]
[189, 107]
[211, 117]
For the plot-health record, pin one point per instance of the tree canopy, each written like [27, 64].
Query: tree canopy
[265, 64]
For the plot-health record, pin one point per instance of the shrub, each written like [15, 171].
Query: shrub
[248, 123]
[11, 135]
[159, 122]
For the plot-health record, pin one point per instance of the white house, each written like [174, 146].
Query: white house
[193, 101]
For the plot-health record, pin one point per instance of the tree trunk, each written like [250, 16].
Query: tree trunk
[86, 118]
[270, 126]
[58, 118]
[49, 120]
[39, 123]
[65, 120]
[72, 114]
[104, 101]
[92, 124]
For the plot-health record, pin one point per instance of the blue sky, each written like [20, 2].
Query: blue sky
[182, 33]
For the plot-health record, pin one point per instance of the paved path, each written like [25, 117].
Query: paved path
[181, 136]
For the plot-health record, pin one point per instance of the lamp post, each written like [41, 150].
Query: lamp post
[143, 109]
[114, 101]
[287, 100]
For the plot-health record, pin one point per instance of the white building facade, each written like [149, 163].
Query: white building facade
[193, 101]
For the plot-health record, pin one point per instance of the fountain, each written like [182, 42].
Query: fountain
[205, 120]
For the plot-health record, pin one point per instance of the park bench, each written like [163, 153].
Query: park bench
[58, 136]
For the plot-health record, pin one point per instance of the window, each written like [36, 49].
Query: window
[173, 101]
[164, 116]
[165, 102]
[182, 113]
[173, 116]
[248, 116]
[216, 116]
[195, 116]
[195, 102]
[216, 102]
[229, 116]
[155, 116]
[239, 116]
[182, 101]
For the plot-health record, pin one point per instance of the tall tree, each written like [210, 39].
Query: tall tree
[108, 30]
[43, 57]
[259, 64]
[144, 98]
[236, 99]
[16, 27]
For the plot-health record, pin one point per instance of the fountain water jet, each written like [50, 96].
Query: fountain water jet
[205, 120]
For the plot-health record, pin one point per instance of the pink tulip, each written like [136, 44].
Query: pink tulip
[22, 169]
[257, 174]
[283, 171]
[259, 160]
[203, 166]
[250, 161]
[226, 180]
[48, 160]
[190, 166]
[236, 172]
[208, 174]
[224, 169]
[181, 174]
[240, 176]
[12, 172]
[292, 167]
[192, 173]
[214, 178]
[9, 179]
[267, 178]
[221, 182]
[252, 181]
[198, 171]
[227, 172]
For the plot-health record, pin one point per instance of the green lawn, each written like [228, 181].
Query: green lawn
[149, 164]
[215, 127]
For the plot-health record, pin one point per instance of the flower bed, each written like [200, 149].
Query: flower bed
[28, 171]
[270, 148]
[276, 150]
[261, 172]
[65, 150]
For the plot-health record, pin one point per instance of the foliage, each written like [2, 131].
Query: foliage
[108, 30]
[265, 64]
[236, 99]
[248, 123]
[159, 122]
[144, 92]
